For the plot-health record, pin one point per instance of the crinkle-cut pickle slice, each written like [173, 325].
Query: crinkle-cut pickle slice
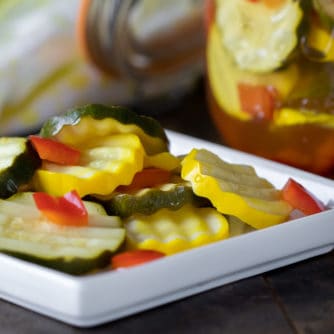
[18, 163]
[82, 125]
[26, 234]
[163, 160]
[149, 200]
[171, 232]
[102, 169]
[234, 189]
[259, 38]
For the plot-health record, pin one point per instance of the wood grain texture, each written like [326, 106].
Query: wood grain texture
[305, 292]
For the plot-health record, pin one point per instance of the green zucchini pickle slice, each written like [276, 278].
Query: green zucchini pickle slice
[149, 200]
[79, 126]
[26, 234]
[18, 162]
[260, 39]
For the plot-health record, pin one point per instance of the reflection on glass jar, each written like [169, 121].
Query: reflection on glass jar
[270, 69]
[155, 47]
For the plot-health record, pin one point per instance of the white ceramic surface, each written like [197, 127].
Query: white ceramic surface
[94, 299]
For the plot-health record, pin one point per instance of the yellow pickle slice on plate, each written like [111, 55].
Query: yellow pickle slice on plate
[171, 231]
[234, 189]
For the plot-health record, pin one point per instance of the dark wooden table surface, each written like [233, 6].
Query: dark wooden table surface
[294, 299]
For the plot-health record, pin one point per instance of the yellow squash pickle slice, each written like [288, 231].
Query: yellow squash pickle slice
[103, 167]
[170, 231]
[234, 189]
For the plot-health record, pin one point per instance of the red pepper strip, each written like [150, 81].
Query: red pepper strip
[134, 258]
[54, 151]
[300, 198]
[258, 101]
[148, 177]
[65, 210]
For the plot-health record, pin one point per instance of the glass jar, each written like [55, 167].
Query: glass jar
[155, 47]
[270, 71]
[58, 54]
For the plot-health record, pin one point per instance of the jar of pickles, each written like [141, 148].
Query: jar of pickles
[270, 71]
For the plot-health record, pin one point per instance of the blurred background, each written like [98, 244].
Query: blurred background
[59, 54]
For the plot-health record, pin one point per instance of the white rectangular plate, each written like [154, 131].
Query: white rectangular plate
[118, 294]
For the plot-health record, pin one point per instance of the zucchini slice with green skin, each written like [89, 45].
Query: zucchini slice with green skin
[78, 126]
[18, 162]
[97, 213]
[149, 200]
[26, 234]
[260, 39]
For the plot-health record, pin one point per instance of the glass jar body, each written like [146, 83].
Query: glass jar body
[275, 104]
